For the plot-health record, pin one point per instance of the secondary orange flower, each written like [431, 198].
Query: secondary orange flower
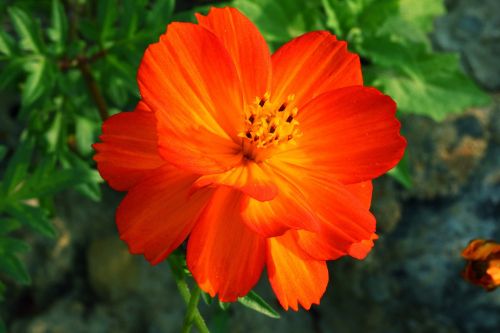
[263, 161]
[483, 266]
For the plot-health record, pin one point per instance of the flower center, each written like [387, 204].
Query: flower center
[269, 123]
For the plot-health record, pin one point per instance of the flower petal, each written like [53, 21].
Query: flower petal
[129, 149]
[250, 178]
[363, 191]
[224, 256]
[312, 64]
[360, 250]
[290, 209]
[341, 213]
[350, 133]
[294, 276]
[158, 213]
[190, 81]
[246, 46]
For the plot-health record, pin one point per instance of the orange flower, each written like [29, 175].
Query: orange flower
[264, 161]
[483, 266]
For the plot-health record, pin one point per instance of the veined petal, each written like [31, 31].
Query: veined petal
[129, 148]
[341, 212]
[158, 213]
[246, 46]
[190, 82]
[312, 64]
[224, 256]
[350, 133]
[249, 177]
[290, 209]
[295, 277]
[202, 154]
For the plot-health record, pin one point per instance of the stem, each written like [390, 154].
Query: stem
[183, 288]
[191, 309]
[93, 89]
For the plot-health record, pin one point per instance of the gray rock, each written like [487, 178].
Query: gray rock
[474, 31]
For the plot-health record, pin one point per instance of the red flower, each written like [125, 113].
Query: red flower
[263, 161]
[483, 266]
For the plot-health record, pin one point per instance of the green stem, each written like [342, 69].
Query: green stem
[183, 288]
[191, 310]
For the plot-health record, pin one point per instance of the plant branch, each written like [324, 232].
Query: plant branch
[186, 296]
[191, 310]
[66, 64]
[93, 88]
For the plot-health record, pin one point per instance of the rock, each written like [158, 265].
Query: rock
[474, 31]
[444, 155]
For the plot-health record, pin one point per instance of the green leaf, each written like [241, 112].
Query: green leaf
[89, 29]
[422, 13]
[13, 267]
[177, 264]
[17, 168]
[11, 71]
[48, 180]
[38, 82]
[434, 86]
[133, 11]
[55, 134]
[58, 32]
[375, 14]
[206, 298]
[11, 245]
[8, 224]
[279, 21]
[7, 43]
[255, 302]
[401, 173]
[360, 20]
[90, 188]
[85, 133]
[34, 217]
[106, 18]
[224, 305]
[342, 16]
[160, 15]
[28, 30]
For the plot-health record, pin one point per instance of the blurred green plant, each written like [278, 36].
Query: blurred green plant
[75, 62]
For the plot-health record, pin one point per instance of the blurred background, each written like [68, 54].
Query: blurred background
[65, 65]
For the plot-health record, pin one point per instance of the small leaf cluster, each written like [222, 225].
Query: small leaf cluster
[251, 301]
[73, 64]
[393, 36]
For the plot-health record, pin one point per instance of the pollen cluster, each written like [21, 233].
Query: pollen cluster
[269, 123]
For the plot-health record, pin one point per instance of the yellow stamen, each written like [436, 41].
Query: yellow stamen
[269, 123]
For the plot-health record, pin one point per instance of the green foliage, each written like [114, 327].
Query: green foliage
[53, 65]
[392, 35]
[280, 21]
[253, 301]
